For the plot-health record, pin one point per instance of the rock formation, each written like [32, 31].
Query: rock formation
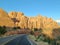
[5, 20]
[19, 19]
[22, 21]
[32, 22]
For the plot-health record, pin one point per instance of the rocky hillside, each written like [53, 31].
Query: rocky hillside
[32, 22]
[5, 20]
[18, 19]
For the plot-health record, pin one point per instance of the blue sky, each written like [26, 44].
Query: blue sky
[49, 8]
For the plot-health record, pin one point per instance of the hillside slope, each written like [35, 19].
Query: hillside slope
[5, 20]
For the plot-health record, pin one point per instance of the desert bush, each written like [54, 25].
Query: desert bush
[40, 30]
[31, 32]
[50, 41]
[47, 39]
[40, 37]
[35, 29]
[2, 30]
[14, 28]
[18, 27]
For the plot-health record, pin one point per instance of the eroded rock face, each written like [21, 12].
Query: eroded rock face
[18, 19]
[26, 22]
[21, 19]
[49, 23]
[12, 14]
[32, 22]
[23, 22]
[35, 22]
[5, 20]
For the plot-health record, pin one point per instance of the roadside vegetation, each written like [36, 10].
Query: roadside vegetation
[38, 36]
[2, 30]
[35, 34]
[15, 28]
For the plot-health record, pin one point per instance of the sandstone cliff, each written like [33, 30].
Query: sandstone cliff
[5, 20]
[23, 21]
[19, 19]
[33, 22]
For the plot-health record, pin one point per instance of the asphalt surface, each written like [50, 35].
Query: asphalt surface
[4, 40]
[21, 40]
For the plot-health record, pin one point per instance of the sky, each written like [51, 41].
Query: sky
[48, 8]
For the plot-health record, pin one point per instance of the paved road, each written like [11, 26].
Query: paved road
[4, 40]
[21, 40]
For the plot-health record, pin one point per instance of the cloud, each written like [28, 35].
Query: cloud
[57, 21]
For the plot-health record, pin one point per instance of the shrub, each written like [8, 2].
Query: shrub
[40, 37]
[47, 40]
[18, 28]
[14, 28]
[35, 29]
[40, 30]
[32, 33]
[2, 30]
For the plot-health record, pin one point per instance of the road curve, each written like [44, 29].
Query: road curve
[4, 40]
[21, 40]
